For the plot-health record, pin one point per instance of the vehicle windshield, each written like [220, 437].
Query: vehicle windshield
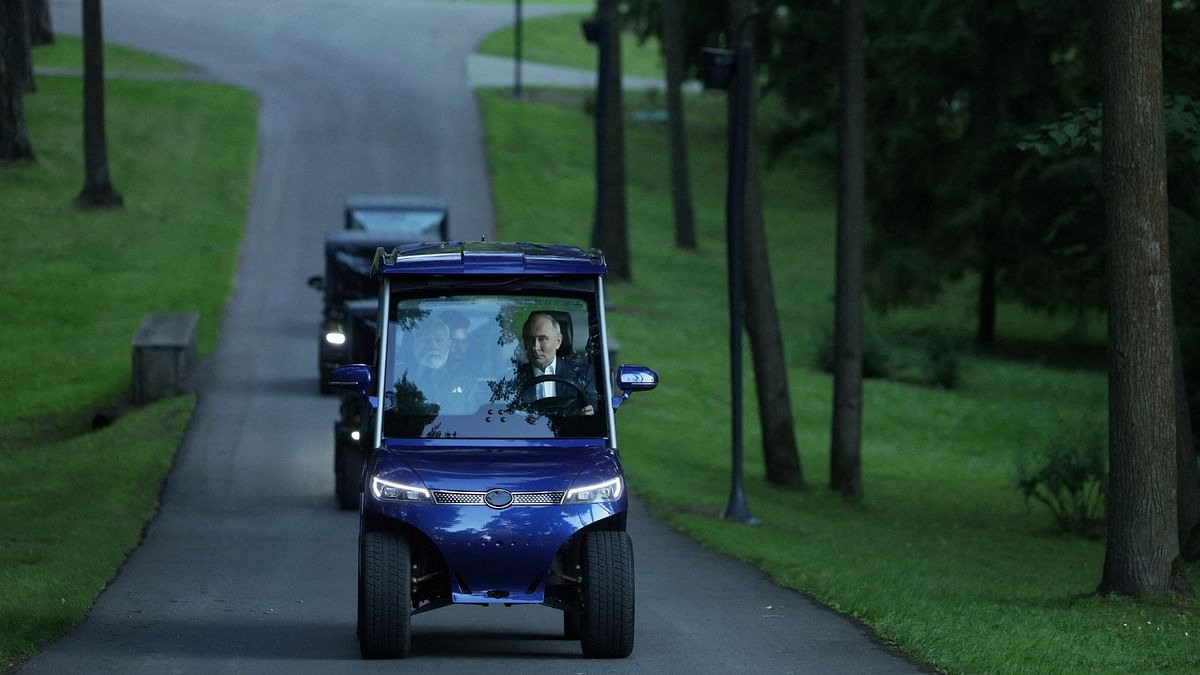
[493, 366]
[409, 225]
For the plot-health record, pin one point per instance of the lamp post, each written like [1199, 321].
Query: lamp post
[595, 31]
[724, 68]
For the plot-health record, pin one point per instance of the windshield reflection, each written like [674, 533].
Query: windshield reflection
[461, 367]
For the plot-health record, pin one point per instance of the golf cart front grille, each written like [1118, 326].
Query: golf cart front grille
[476, 498]
[457, 497]
[537, 497]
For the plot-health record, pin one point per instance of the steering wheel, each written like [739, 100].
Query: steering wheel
[570, 404]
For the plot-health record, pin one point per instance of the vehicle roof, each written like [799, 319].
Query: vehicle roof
[398, 202]
[490, 257]
[357, 240]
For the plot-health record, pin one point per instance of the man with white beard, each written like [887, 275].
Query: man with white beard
[439, 384]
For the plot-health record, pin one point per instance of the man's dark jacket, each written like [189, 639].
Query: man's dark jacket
[576, 370]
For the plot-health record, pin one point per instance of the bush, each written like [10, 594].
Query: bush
[1069, 475]
[875, 353]
[941, 358]
[928, 358]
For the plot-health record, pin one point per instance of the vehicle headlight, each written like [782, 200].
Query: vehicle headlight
[388, 491]
[608, 491]
[335, 337]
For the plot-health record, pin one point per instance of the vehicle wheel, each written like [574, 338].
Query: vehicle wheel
[572, 625]
[349, 474]
[607, 595]
[386, 606]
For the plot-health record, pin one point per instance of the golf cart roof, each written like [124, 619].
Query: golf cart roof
[490, 257]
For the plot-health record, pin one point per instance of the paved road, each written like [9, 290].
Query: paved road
[249, 568]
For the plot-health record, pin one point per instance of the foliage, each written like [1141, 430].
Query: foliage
[930, 358]
[953, 88]
[704, 25]
[1076, 130]
[1082, 129]
[940, 560]
[1076, 137]
[1068, 474]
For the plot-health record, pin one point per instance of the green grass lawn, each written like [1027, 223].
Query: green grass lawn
[76, 286]
[67, 52]
[558, 40]
[943, 558]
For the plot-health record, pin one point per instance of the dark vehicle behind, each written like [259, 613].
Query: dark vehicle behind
[349, 300]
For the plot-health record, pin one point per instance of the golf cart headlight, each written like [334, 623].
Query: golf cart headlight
[335, 337]
[388, 491]
[608, 491]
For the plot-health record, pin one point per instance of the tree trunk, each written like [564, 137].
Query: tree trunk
[98, 190]
[613, 230]
[14, 134]
[986, 117]
[681, 189]
[845, 457]
[41, 30]
[20, 63]
[985, 336]
[1142, 550]
[780, 456]
[1188, 497]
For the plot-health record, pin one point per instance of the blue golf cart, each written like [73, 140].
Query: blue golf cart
[494, 477]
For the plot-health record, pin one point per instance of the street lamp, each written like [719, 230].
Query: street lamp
[724, 68]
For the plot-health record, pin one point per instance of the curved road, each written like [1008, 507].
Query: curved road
[248, 567]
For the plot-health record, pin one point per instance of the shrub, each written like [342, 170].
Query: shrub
[929, 358]
[941, 358]
[875, 352]
[1068, 475]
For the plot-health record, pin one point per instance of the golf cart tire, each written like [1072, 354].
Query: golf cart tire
[607, 595]
[386, 613]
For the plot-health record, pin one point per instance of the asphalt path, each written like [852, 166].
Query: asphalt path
[249, 567]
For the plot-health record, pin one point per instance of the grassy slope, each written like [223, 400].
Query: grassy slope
[558, 40]
[180, 153]
[76, 287]
[943, 559]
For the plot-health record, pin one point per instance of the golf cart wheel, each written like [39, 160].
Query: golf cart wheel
[572, 624]
[386, 608]
[349, 474]
[607, 595]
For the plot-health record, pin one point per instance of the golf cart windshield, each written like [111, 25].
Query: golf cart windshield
[406, 225]
[493, 366]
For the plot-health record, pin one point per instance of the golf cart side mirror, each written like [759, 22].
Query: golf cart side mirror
[631, 379]
[355, 378]
[316, 281]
